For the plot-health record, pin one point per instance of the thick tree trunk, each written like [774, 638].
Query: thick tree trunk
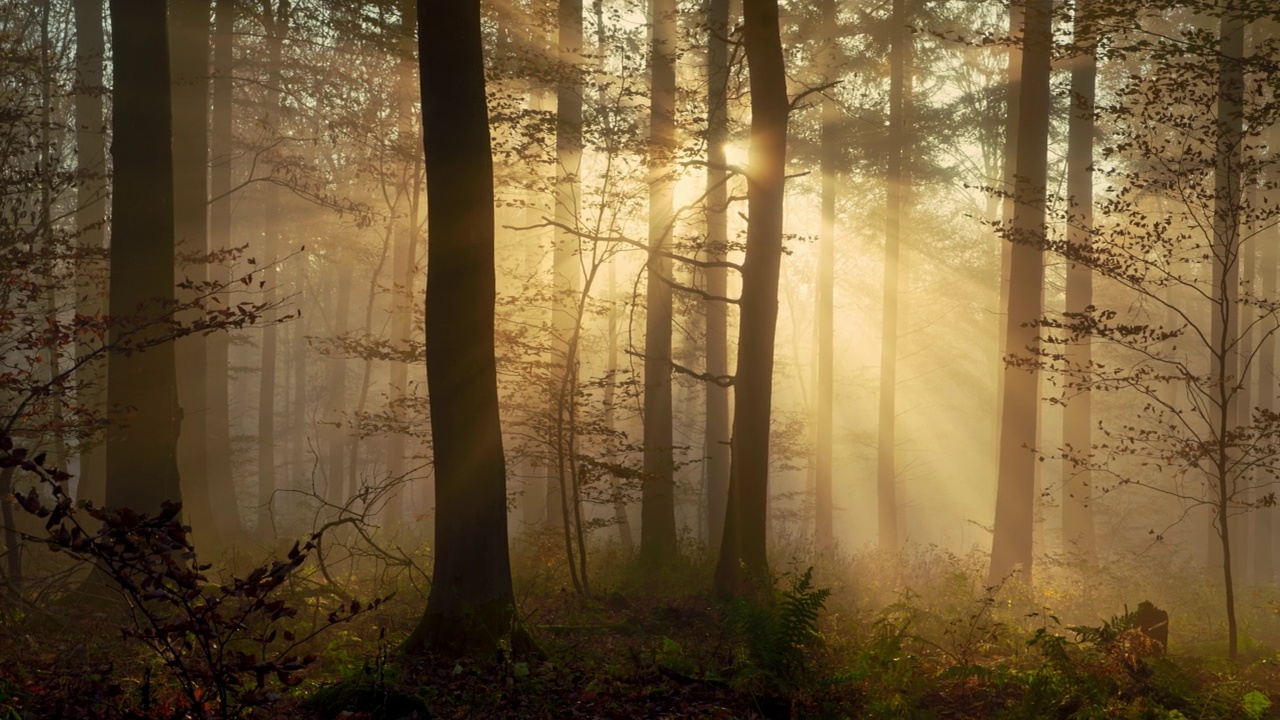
[1015, 494]
[189, 58]
[471, 607]
[91, 211]
[717, 320]
[142, 469]
[221, 486]
[1077, 511]
[657, 502]
[743, 559]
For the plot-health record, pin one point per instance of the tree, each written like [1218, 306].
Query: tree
[142, 470]
[897, 181]
[91, 211]
[1077, 511]
[743, 558]
[189, 63]
[657, 509]
[824, 532]
[716, 441]
[221, 485]
[471, 606]
[1015, 494]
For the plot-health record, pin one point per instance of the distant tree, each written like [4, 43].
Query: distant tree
[743, 557]
[471, 606]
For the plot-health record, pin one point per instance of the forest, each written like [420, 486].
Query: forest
[408, 359]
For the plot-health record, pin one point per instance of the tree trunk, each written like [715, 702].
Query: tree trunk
[189, 58]
[275, 25]
[336, 385]
[1226, 281]
[91, 210]
[824, 531]
[1013, 105]
[717, 430]
[1077, 512]
[471, 607]
[743, 559]
[222, 491]
[897, 180]
[567, 281]
[1264, 517]
[1015, 494]
[142, 469]
[657, 502]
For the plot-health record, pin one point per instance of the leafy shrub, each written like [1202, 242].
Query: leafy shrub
[226, 645]
[778, 634]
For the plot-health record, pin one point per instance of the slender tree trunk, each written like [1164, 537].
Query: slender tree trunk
[53, 356]
[1226, 281]
[142, 469]
[402, 294]
[657, 502]
[1015, 494]
[898, 180]
[299, 468]
[743, 557]
[717, 312]
[221, 486]
[336, 385]
[91, 210]
[471, 607]
[824, 533]
[189, 58]
[366, 377]
[1264, 517]
[565, 261]
[1077, 485]
[1013, 105]
[275, 24]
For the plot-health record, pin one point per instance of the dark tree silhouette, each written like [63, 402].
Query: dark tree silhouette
[471, 607]
[142, 469]
[743, 559]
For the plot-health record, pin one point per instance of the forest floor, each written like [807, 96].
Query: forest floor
[830, 643]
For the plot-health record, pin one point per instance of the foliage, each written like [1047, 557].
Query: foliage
[779, 634]
[226, 645]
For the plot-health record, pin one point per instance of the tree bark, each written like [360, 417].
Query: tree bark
[221, 485]
[1077, 512]
[743, 559]
[91, 211]
[471, 607]
[657, 502]
[717, 313]
[142, 470]
[1015, 494]
[189, 58]
[1224, 326]
[275, 23]
[897, 181]
[824, 513]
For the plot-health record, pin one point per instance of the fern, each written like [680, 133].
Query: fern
[778, 634]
